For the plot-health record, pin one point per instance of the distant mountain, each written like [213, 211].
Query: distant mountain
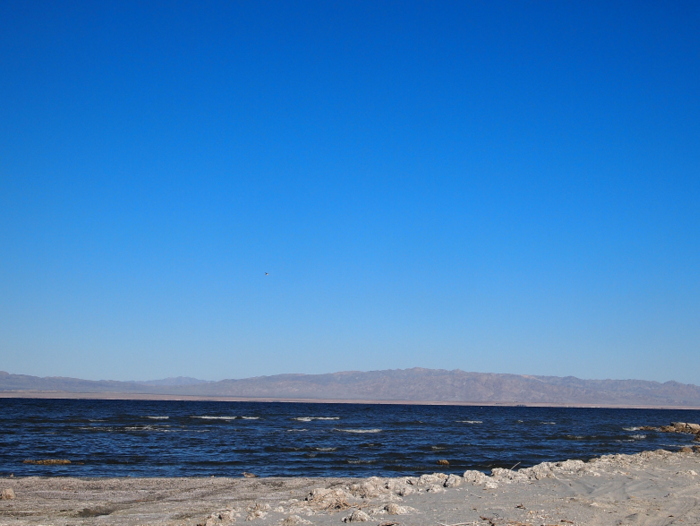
[401, 385]
[180, 380]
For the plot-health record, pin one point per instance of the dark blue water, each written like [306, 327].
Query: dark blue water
[169, 438]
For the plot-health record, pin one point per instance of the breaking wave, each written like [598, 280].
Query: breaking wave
[207, 417]
[359, 431]
[312, 418]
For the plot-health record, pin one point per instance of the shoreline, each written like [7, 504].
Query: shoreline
[64, 395]
[648, 488]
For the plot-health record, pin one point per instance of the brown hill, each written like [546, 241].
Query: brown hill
[401, 385]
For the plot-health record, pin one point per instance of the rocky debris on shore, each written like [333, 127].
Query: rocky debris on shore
[221, 517]
[329, 499]
[8, 494]
[293, 520]
[369, 499]
[48, 461]
[257, 511]
[503, 495]
[677, 427]
[357, 516]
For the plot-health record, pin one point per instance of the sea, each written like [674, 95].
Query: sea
[118, 438]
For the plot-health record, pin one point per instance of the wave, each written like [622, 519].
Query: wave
[208, 417]
[548, 423]
[147, 428]
[326, 449]
[112, 429]
[469, 421]
[296, 430]
[158, 417]
[358, 430]
[250, 417]
[638, 437]
[311, 418]
[631, 428]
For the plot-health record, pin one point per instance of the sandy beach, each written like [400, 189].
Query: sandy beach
[649, 488]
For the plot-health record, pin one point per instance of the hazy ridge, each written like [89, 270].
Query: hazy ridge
[410, 385]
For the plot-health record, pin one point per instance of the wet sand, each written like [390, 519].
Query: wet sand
[649, 488]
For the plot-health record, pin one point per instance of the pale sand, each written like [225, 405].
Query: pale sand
[650, 488]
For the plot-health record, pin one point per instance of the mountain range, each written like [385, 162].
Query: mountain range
[415, 385]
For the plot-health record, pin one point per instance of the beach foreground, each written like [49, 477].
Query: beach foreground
[649, 488]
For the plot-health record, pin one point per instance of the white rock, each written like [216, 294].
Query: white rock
[8, 494]
[257, 511]
[293, 520]
[508, 475]
[452, 481]
[329, 499]
[394, 509]
[435, 488]
[475, 477]
[429, 480]
[357, 516]
[406, 490]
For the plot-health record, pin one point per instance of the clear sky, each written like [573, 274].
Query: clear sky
[503, 186]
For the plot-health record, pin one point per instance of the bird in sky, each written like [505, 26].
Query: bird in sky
[267, 273]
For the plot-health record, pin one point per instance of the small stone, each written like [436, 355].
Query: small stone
[453, 481]
[443, 462]
[257, 511]
[429, 480]
[394, 509]
[685, 449]
[249, 475]
[475, 477]
[293, 520]
[328, 499]
[8, 494]
[357, 516]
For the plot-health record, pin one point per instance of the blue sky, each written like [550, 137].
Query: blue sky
[507, 187]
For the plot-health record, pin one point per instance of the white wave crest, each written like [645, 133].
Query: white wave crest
[312, 418]
[359, 431]
[161, 429]
[207, 417]
[469, 421]
[631, 428]
[296, 430]
[250, 417]
[548, 423]
[158, 417]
